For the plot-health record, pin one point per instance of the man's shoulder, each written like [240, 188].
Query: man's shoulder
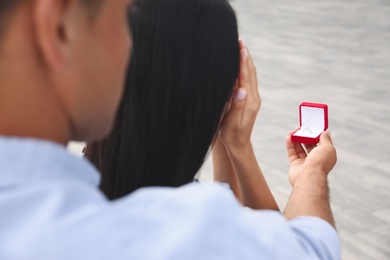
[206, 213]
[195, 221]
[198, 216]
[169, 208]
[194, 195]
[200, 202]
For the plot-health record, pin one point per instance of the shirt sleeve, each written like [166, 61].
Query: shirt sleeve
[207, 222]
[318, 238]
[268, 234]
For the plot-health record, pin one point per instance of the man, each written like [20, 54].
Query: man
[62, 65]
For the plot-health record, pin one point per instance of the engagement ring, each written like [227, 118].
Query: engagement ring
[306, 130]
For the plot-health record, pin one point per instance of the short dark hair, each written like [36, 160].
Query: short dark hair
[182, 72]
[92, 5]
[5, 5]
[6, 9]
[8, 6]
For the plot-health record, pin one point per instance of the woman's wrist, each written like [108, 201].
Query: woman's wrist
[241, 147]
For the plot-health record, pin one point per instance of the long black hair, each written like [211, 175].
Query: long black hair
[184, 64]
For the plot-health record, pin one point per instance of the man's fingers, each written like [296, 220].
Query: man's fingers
[325, 138]
[291, 132]
[298, 148]
[291, 151]
[294, 150]
[309, 148]
[300, 151]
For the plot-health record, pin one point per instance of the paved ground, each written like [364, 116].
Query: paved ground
[335, 52]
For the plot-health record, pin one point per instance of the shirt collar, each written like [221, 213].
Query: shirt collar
[24, 160]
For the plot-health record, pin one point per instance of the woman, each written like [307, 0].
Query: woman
[183, 73]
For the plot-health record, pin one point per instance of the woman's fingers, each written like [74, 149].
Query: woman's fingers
[238, 122]
[248, 80]
[244, 75]
[253, 77]
[234, 116]
[251, 69]
[238, 102]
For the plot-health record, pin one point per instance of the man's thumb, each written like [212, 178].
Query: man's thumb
[326, 137]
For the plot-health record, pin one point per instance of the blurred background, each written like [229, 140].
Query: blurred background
[335, 52]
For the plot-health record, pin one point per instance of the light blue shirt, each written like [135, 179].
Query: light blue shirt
[51, 208]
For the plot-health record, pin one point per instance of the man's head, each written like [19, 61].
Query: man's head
[73, 51]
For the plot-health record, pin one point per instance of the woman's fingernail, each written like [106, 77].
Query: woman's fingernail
[241, 94]
[329, 133]
[245, 53]
[243, 42]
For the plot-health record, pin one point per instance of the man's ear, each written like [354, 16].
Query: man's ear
[53, 30]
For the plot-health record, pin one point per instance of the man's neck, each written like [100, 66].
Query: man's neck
[28, 105]
[34, 119]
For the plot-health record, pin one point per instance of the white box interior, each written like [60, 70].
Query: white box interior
[313, 122]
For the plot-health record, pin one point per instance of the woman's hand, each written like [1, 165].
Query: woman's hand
[237, 125]
[236, 161]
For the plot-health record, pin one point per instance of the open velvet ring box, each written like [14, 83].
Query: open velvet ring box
[313, 119]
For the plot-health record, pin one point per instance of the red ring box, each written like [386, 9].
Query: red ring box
[313, 119]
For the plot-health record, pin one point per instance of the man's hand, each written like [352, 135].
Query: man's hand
[308, 176]
[320, 158]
